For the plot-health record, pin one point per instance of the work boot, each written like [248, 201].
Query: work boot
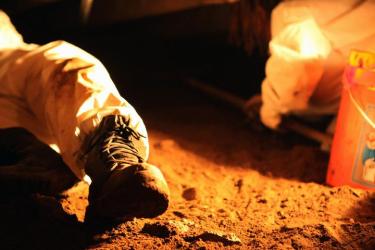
[123, 185]
[29, 166]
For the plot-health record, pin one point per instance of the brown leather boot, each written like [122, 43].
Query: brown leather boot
[123, 185]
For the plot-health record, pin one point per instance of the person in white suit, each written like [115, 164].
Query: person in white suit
[57, 94]
[310, 43]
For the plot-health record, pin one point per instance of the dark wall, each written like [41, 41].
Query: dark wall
[191, 43]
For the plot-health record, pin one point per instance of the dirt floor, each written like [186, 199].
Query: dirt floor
[231, 187]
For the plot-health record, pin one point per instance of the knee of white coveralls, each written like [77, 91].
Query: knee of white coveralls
[83, 95]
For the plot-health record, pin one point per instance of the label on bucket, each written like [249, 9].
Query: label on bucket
[364, 164]
[360, 70]
[362, 59]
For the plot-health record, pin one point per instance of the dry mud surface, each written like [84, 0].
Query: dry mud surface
[232, 187]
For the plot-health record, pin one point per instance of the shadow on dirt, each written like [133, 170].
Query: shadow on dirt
[364, 226]
[364, 210]
[39, 222]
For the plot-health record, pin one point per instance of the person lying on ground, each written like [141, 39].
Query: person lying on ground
[58, 94]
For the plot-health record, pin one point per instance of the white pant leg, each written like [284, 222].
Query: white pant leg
[60, 93]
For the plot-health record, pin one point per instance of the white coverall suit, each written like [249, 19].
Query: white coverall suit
[311, 41]
[58, 92]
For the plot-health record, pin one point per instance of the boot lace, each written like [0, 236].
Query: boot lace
[117, 145]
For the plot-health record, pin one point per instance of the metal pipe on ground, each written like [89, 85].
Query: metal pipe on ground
[240, 103]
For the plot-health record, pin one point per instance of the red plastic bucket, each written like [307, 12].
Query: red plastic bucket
[352, 159]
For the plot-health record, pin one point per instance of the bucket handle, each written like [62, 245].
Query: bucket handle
[360, 110]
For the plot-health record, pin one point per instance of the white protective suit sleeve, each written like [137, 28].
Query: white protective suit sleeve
[293, 70]
[60, 93]
[309, 45]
